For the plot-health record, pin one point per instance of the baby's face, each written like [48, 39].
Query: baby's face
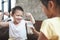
[18, 16]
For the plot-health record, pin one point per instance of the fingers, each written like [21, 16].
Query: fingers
[28, 14]
[33, 29]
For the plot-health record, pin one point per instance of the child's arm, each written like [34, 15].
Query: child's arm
[31, 17]
[35, 31]
[4, 24]
[42, 36]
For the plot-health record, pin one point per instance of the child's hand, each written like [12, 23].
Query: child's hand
[33, 29]
[28, 14]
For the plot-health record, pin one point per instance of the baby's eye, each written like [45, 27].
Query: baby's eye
[20, 15]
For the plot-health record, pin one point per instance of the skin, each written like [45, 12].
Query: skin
[42, 37]
[50, 11]
[17, 16]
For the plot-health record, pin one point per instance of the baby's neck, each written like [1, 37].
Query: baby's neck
[15, 23]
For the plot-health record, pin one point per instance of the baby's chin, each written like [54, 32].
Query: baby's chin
[18, 21]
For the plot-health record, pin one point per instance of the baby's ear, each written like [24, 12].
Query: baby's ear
[51, 5]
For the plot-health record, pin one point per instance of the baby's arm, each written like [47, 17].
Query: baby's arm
[31, 17]
[4, 24]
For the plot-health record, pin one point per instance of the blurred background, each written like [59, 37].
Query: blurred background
[32, 6]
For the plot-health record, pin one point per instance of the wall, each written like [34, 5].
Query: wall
[32, 6]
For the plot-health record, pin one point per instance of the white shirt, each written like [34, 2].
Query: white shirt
[18, 32]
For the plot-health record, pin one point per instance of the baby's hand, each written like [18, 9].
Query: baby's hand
[28, 14]
[33, 29]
